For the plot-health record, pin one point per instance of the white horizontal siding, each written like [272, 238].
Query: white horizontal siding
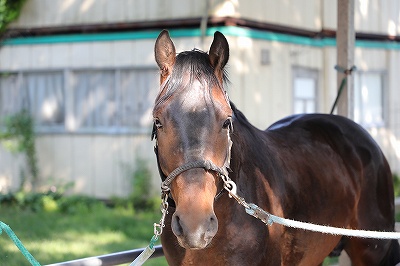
[374, 16]
[291, 13]
[100, 165]
[48, 13]
[78, 55]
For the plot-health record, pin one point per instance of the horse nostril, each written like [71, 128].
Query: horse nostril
[212, 227]
[176, 225]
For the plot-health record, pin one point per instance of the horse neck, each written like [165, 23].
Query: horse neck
[253, 157]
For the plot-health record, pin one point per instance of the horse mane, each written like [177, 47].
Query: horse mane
[196, 64]
[241, 118]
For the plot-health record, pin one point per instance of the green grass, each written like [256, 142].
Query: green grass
[55, 237]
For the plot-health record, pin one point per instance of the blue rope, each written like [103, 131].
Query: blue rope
[18, 243]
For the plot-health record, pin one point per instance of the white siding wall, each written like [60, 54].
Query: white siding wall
[72, 12]
[289, 13]
[262, 92]
[78, 55]
[98, 164]
[373, 16]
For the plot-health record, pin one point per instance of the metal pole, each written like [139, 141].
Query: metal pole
[345, 38]
[111, 259]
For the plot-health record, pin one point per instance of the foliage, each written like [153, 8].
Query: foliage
[9, 11]
[141, 197]
[50, 201]
[18, 136]
[54, 236]
[396, 184]
[141, 187]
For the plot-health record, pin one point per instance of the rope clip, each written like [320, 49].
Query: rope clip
[259, 213]
[158, 227]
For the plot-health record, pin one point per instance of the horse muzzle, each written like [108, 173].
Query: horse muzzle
[194, 231]
[194, 222]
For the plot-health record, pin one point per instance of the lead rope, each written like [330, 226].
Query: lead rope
[158, 229]
[346, 72]
[18, 243]
[268, 218]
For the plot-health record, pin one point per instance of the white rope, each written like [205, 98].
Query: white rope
[334, 230]
[269, 219]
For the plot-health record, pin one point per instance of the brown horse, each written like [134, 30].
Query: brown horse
[317, 168]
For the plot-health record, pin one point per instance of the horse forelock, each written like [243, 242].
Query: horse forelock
[190, 66]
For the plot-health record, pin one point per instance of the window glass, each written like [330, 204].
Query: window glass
[11, 94]
[41, 93]
[93, 98]
[136, 97]
[304, 90]
[45, 94]
[369, 98]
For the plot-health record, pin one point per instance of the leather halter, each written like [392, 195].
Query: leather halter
[205, 164]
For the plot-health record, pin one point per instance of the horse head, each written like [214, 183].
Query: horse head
[192, 123]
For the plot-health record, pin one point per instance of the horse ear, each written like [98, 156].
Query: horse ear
[164, 52]
[219, 51]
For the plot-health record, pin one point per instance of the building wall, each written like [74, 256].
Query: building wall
[73, 12]
[264, 92]
[98, 165]
[373, 16]
[101, 164]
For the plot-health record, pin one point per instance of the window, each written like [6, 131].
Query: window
[112, 100]
[369, 98]
[41, 93]
[95, 100]
[94, 103]
[304, 90]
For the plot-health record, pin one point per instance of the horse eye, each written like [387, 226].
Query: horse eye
[157, 123]
[227, 123]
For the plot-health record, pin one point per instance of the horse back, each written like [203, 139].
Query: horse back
[345, 158]
[336, 174]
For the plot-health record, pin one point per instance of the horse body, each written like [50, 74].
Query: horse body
[315, 168]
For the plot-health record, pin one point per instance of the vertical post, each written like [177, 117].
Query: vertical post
[203, 24]
[345, 38]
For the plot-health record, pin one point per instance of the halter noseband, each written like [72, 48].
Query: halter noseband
[206, 164]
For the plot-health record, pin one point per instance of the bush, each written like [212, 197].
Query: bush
[30, 200]
[9, 11]
[141, 197]
[51, 202]
[79, 204]
[18, 136]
